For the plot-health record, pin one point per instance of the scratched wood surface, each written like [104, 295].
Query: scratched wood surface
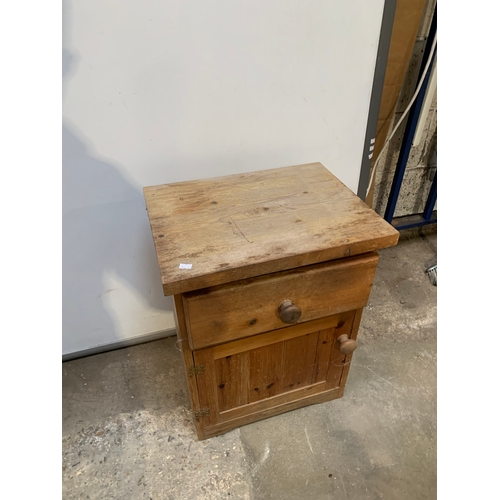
[251, 224]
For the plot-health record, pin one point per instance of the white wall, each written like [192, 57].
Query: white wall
[161, 91]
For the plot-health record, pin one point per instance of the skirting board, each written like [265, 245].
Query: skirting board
[111, 346]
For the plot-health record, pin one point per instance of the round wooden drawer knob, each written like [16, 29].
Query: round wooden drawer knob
[289, 312]
[347, 345]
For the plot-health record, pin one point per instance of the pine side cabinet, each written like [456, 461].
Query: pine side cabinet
[270, 272]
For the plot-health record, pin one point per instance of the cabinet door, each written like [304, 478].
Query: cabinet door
[249, 379]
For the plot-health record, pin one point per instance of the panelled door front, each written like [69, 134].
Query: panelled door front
[251, 375]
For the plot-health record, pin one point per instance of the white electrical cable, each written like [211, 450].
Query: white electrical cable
[424, 73]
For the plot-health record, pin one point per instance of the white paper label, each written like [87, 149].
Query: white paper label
[185, 266]
[372, 141]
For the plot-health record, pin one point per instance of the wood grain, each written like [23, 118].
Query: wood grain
[277, 336]
[310, 395]
[246, 225]
[232, 387]
[299, 357]
[207, 388]
[265, 404]
[270, 372]
[265, 372]
[187, 357]
[326, 340]
[220, 314]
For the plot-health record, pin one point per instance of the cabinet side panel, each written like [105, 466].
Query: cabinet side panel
[187, 358]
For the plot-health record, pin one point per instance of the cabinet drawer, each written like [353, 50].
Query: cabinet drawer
[229, 312]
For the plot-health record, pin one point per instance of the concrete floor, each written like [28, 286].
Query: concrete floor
[128, 431]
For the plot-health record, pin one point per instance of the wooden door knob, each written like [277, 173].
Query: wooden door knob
[347, 345]
[289, 312]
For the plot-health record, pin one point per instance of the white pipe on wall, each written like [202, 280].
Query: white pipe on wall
[430, 91]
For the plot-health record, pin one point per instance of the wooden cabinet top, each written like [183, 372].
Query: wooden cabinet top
[213, 231]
